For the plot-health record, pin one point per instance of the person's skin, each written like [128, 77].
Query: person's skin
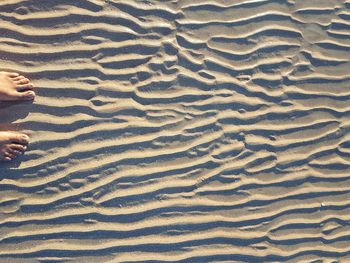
[12, 144]
[14, 87]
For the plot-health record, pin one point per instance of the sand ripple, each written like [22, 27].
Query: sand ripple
[179, 131]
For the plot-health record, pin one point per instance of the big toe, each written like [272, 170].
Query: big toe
[15, 152]
[21, 139]
[10, 74]
[18, 148]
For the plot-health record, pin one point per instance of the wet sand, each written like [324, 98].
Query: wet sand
[178, 131]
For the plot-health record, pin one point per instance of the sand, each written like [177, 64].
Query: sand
[178, 131]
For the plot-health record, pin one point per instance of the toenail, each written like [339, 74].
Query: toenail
[25, 137]
[30, 96]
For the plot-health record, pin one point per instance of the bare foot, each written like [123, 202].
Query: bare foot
[14, 86]
[12, 144]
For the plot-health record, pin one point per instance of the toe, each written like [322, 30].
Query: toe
[10, 155]
[26, 95]
[28, 86]
[7, 158]
[18, 78]
[21, 139]
[11, 74]
[14, 152]
[22, 81]
[18, 148]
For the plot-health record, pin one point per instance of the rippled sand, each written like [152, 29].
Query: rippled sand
[178, 131]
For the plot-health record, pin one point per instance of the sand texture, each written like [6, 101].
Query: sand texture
[178, 131]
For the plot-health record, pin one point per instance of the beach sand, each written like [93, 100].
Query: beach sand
[178, 131]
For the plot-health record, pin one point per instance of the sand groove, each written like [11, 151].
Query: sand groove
[178, 131]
